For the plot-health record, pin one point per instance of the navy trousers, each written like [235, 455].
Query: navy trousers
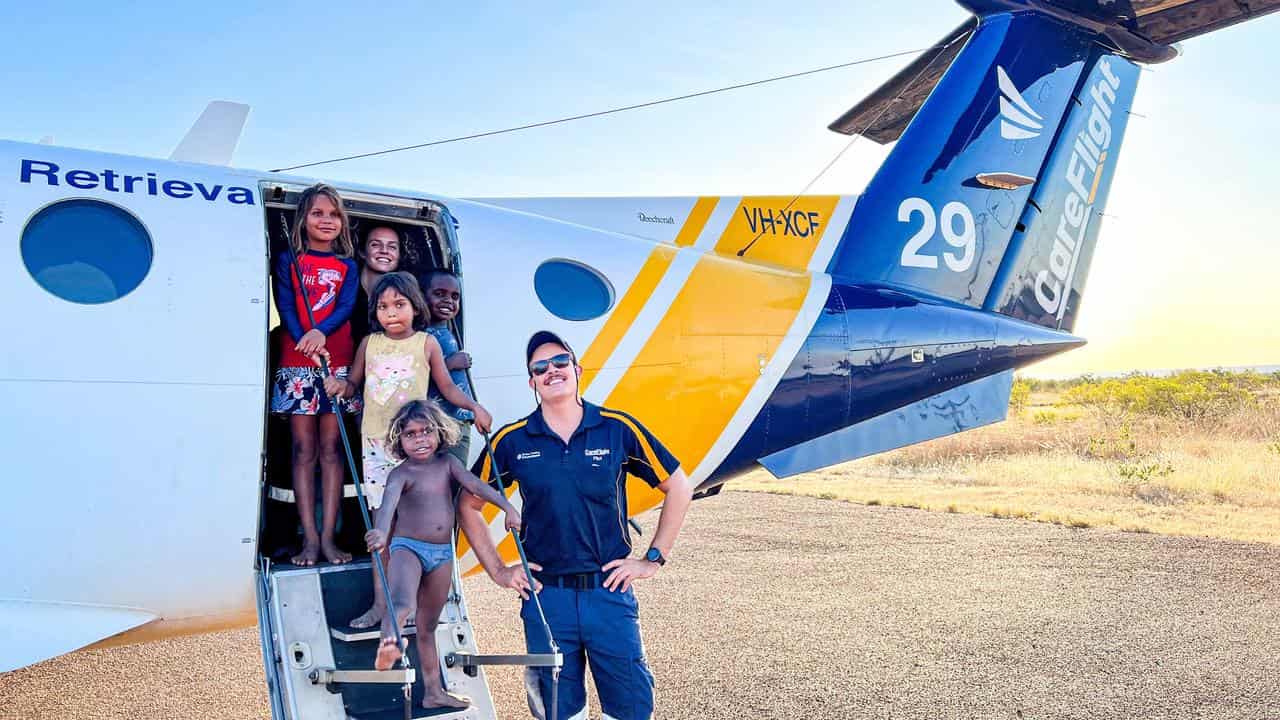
[595, 627]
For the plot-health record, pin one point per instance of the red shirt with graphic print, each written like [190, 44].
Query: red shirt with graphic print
[331, 283]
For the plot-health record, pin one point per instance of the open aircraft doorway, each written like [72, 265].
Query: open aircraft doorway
[317, 664]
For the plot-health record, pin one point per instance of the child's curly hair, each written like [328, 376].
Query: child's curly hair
[430, 413]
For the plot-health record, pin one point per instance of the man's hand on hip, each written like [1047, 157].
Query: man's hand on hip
[626, 570]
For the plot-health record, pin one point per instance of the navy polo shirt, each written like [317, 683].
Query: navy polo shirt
[575, 494]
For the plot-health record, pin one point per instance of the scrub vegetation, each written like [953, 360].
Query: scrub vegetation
[1195, 453]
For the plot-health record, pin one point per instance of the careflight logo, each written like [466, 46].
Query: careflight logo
[1018, 121]
[1083, 173]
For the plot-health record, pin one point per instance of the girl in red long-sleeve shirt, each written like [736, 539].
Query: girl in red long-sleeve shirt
[321, 241]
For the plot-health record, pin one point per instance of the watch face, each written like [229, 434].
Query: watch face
[653, 555]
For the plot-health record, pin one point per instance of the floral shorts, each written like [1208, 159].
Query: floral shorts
[300, 391]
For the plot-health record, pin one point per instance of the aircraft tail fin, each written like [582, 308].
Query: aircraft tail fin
[1017, 140]
[1042, 273]
[213, 138]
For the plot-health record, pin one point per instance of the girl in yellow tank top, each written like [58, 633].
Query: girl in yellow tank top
[396, 363]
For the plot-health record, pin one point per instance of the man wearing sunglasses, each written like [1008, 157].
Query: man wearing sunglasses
[570, 460]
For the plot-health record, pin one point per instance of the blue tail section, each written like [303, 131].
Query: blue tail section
[1042, 277]
[874, 352]
[957, 211]
[966, 257]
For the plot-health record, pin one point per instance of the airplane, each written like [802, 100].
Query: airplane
[790, 332]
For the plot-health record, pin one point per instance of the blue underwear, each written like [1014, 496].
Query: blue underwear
[431, 555]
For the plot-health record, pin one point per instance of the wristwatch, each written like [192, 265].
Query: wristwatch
[655, 556]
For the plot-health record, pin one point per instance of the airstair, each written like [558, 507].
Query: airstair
[320, 668]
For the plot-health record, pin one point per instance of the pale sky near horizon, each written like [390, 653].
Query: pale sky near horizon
[1183, 274]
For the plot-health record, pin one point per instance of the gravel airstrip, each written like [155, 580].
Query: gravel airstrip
[788, 607]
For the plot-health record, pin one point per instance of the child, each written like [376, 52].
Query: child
[397, 363]
[419, 500]
[321, 242]
[444, 297]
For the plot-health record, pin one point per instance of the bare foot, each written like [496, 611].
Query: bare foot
[309, 555]
[371, 617]
[440, 698]
[388, 654]
[333, 554]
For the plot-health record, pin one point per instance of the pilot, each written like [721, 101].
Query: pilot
[570, 460]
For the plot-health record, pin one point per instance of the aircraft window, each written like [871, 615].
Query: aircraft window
[86, 251]
[571, 290]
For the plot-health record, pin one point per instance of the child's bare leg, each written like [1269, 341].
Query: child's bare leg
[331, 476]
[404, 572]
[374, 614]
[303, 430]
[432, 594]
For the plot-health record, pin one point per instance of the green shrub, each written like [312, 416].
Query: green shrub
[1145, 471]
[1192, 395]
[1019, 395]
[1118, 444]
[1045, 417]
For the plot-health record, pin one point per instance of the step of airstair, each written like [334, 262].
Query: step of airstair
[349, 634]
[324, 667]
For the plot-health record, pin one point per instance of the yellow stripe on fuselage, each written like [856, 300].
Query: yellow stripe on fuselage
[615, 328]
[696, 221]
[705, 356]
[637, 296]
[778, 230]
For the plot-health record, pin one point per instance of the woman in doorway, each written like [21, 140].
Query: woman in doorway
[381, 250]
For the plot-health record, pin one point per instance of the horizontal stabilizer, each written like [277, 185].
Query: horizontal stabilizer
[34, 631]
[884, 114]
[975, 404]
[1170, 21]
[1140, 29]
[213, 138]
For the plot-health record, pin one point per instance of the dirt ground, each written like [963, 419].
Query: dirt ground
[792, 607]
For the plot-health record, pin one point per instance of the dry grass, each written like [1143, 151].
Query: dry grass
[1079, 468]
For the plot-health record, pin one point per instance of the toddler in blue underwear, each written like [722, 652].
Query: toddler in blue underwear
[419, 499]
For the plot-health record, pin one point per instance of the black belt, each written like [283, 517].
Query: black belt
[581, 581]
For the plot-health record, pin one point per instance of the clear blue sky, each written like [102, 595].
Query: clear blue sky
[1184, 272]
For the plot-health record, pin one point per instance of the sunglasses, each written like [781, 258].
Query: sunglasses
[540, 367]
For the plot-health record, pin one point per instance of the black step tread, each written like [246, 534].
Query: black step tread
[398, 713]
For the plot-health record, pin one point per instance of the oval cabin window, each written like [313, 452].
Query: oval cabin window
[571, 290]
[86, 251]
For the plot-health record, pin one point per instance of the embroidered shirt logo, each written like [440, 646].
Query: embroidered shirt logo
[529, 455]
[598, 453]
